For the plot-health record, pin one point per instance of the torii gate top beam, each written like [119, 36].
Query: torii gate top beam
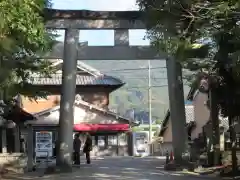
[92, 15]
[84, 19]
[119, 21]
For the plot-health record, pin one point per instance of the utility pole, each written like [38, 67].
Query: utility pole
[150, 104]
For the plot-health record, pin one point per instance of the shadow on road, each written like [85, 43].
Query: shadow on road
[113, 169]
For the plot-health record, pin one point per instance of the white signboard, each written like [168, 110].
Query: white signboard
[44, 144]
[140, 143]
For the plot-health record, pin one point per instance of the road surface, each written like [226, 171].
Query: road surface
[117, 168]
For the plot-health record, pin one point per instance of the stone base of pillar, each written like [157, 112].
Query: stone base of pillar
[173, 166]
[63, 169]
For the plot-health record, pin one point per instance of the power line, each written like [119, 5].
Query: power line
[145, 87]
[140, 77]
[153, 78]
[135, 73]
[135, 69]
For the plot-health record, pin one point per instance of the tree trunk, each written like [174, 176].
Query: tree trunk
[233, 145]
[214, 111]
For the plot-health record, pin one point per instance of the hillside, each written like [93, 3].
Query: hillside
[134, 95]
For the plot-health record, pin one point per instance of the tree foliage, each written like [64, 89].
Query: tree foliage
[23, 38]
[204, 36]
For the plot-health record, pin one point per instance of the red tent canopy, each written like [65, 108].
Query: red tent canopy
[101, 127]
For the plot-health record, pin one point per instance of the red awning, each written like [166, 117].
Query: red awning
[101, 127]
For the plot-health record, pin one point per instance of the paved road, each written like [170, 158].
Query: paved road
[125, 168]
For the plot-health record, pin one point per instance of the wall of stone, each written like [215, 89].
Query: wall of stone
[15, 162]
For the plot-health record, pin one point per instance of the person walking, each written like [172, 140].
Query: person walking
[76, 149]
[88, 148]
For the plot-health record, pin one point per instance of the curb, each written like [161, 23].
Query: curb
[228, 178]
[199, 175]
[205, 175]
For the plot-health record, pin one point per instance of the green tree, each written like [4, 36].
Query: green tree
[23, 38]
[203, 36]
[158, 121]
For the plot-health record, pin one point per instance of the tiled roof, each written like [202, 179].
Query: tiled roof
[90, 106]
[91, 70]
[91, 77]
[9, 117]
[56, 79]
[117, 116]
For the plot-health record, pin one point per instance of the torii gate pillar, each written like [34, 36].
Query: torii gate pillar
[177, 109]
[65, 140]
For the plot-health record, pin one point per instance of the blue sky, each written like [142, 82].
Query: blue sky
[102, 37]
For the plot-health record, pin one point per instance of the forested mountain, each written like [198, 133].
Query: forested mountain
[132, 99]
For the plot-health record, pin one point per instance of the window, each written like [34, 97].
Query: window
[112, 140]
[123, 140]
[101, 141]
[93, 141]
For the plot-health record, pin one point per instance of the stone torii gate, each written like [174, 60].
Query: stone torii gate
[74, 20]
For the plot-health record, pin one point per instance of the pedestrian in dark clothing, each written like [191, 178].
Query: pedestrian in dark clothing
[76, 149]
[88, 148]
